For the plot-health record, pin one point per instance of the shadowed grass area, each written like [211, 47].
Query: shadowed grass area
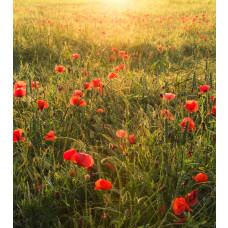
[146, 176]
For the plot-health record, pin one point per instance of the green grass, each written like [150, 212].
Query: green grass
[131, 102]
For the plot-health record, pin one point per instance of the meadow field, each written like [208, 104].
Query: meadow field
[114, 113]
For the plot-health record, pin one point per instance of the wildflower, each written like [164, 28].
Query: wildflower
[204, 89]
[50, 136]
[42, 104]
[200, 177]
[112, 57]
[122, 66]
[121, 53]
[87, 86]
[121, 133]
[168, 114]
[17, 135]
[131, 139]
[86, 73]
[76, 56]
[71, 173]
[77, 100]
[60, 69]
[191, 106]
[159, 48]
[84, 160]
[161, 209]
[95, 83]
[103, 185]
[168, 96]
[20, 92]
[60, 88]
[171, 47]
[114, 49]
[110, 166]
[36, 84]
[100, 110]
[20, 84]
[213, 111]
[191, 124]
[112, 75]
[182, 220]
[67, 155]
[180, 206]
[125, 56]
[77, 93]
[191, 199]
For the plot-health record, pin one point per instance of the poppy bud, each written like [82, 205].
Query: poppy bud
[163, 87]
[186, 181]
[69, 69]
[60, 88]
[80, 222]
[57, 195]
[156, 164]
[214, 137]
[87, 177]
[161, 95]
[204, 126]
[71, 172]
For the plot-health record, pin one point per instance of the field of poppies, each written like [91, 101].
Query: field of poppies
[114, 108]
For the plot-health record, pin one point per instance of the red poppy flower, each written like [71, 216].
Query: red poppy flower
[169, 96]
[103, 185]
[60, 69]
[110, 166]
[42, 104]
[182, 220]
[168, 114]
[204, 89]
[212, 98]
[86, 73]
[161, 209]
[87, 86]
[117, 69]
[171, 48]
[17, 135]
[191, 199]
[122, 66]
[159, 48]
[191, 106]
[76, 56]
[36, 84]
[112, 75]
[191, 124]
[125, 56]
[131, 139]
[121, 133]
[180, 206]
[121, 53]
[50, 136]
[100, 110]
[213, 110]
[60, 88]
[20, 92]
[112, 57]
[189, 154]
[77, 100]
[114, 49]
[84, 160]
[200, 177]
[95, 83]
[77, 93]
[20, 84]
[67, 155]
